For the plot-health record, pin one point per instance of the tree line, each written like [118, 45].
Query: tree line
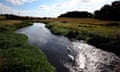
[17, 17]
[77, 14]
[107, 12]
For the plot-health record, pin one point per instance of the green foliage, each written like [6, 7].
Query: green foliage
[109, 12]
[77, 14]
[10, 28]
[101, 36]
[16, 55]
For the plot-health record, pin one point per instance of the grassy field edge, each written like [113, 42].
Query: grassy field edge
[16, 54]
[102, 34]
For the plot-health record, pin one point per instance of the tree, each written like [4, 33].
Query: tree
[77, 14]
[109, 12]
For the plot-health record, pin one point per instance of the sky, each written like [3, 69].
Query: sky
[49, 8]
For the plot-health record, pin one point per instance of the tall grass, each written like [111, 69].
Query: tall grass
[102, 36]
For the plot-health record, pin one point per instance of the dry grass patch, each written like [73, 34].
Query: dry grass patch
[10, 22]
[2, 17]
[91, 21]
[83, 20]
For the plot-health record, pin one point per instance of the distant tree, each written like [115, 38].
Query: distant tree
[116, 4]
[104, 13]
[109, 12]
[16, 17]
[77, 14]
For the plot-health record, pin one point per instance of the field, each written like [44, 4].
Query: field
[2, 17]
[16, 54]
[102, 34]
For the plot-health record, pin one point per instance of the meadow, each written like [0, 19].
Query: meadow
[100, 33]
[16, 54]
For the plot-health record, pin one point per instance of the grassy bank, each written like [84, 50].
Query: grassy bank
[16, 54]
[102, 34]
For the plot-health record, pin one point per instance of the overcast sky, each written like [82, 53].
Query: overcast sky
[49, 8]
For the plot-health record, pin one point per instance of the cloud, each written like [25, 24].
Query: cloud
[56, 9]
[7, 10]
[19, 2]
[92, 1]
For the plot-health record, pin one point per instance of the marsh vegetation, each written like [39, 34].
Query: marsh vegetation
[100, 29]
[16, 54]
[102, 34]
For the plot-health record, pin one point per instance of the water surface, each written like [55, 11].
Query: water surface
[69, 56]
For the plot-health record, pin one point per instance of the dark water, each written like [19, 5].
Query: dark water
[55, 47]
[69, 56]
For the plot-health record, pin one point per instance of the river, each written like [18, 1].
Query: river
[68, 56]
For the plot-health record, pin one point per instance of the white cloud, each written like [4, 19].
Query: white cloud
[55, 9]
[92, 1]
[71, 5]
[58, 8]
[7, 10]
[19, 2]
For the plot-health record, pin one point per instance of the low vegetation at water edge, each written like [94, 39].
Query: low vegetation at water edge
[16, 54]
[103, 34]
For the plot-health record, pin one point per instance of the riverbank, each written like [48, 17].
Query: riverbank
[16, 54]
[102, 34]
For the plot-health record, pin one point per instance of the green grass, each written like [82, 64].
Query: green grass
[104, 36]
[17, 55]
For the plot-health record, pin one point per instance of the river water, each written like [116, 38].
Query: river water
[68, 56]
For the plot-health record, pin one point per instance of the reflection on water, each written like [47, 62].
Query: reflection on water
[69, 56]
[89, 59]
[55, 47]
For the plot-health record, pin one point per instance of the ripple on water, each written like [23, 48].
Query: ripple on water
[87, 58]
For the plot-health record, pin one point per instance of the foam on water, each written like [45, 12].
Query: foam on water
[87, 58]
